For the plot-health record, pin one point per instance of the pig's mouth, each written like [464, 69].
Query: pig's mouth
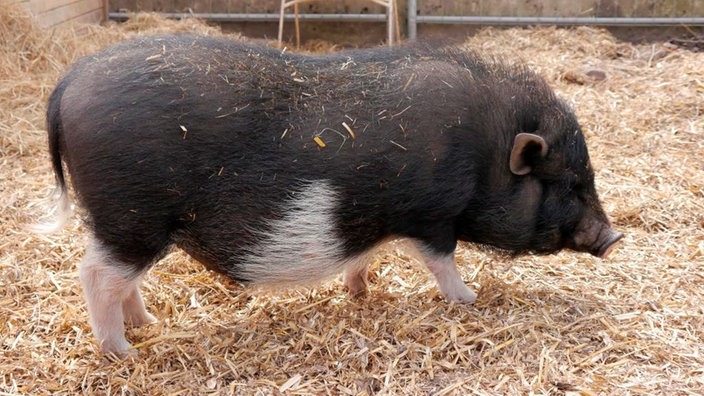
[605, 242]
[608, 244]
[594, 237]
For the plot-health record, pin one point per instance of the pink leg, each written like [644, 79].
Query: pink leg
[355, 278]
[111, 297]
[133, 308]
[449, 279]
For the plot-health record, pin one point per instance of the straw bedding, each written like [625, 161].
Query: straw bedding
[563, 324]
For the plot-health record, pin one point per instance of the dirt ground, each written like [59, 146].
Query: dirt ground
[561, 324]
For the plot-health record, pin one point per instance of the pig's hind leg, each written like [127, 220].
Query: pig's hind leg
[112, 296]
[355, 279]
[356, 273]
[133, 309]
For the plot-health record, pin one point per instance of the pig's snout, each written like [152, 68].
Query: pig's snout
[595, 237]
[609, 243]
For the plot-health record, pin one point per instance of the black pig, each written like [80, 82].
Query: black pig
[273, 167]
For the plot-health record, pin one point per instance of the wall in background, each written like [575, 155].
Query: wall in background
[526, 8]
[51, 13]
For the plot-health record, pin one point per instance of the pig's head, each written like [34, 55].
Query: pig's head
[559, 182]
[538, 195]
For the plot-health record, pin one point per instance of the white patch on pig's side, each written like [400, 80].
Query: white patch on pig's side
[448, 277]
[112, 297]
[303, 246]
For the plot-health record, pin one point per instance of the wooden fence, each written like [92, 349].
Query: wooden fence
[526, 8]
[55, 12]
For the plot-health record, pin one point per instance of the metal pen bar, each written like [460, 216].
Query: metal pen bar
[226, 17]
[603, 21]
[412, 19]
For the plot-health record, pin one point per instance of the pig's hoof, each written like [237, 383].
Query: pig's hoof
[356, 287]
[124, 354]
[355, 279]
[357, 293]
[120, 348]
[461, 295]
[138, 319]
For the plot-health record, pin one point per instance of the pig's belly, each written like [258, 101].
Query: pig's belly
[301, 246]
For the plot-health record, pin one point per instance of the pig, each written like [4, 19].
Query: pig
[279, 168]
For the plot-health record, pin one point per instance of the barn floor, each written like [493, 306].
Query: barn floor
[563, 324]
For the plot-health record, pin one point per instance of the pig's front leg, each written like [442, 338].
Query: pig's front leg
[449, 279]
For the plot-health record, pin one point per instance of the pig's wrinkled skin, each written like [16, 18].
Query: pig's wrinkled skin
[216, 147]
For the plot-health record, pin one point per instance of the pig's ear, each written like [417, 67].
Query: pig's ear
[527, 149]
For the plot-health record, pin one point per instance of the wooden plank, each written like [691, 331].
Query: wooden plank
[474, 7]
[674, 8]
[697, 8]
[505, 7]
[69, 11]
[40, 7]
[554, 8]
[644, 8]
[558, 8]
[95, 16]
[222, 6]
[606, 9]
[201, 6]
[182, 5]
[254, 6]
[627, 7]
[122, 5]
[158, 6]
